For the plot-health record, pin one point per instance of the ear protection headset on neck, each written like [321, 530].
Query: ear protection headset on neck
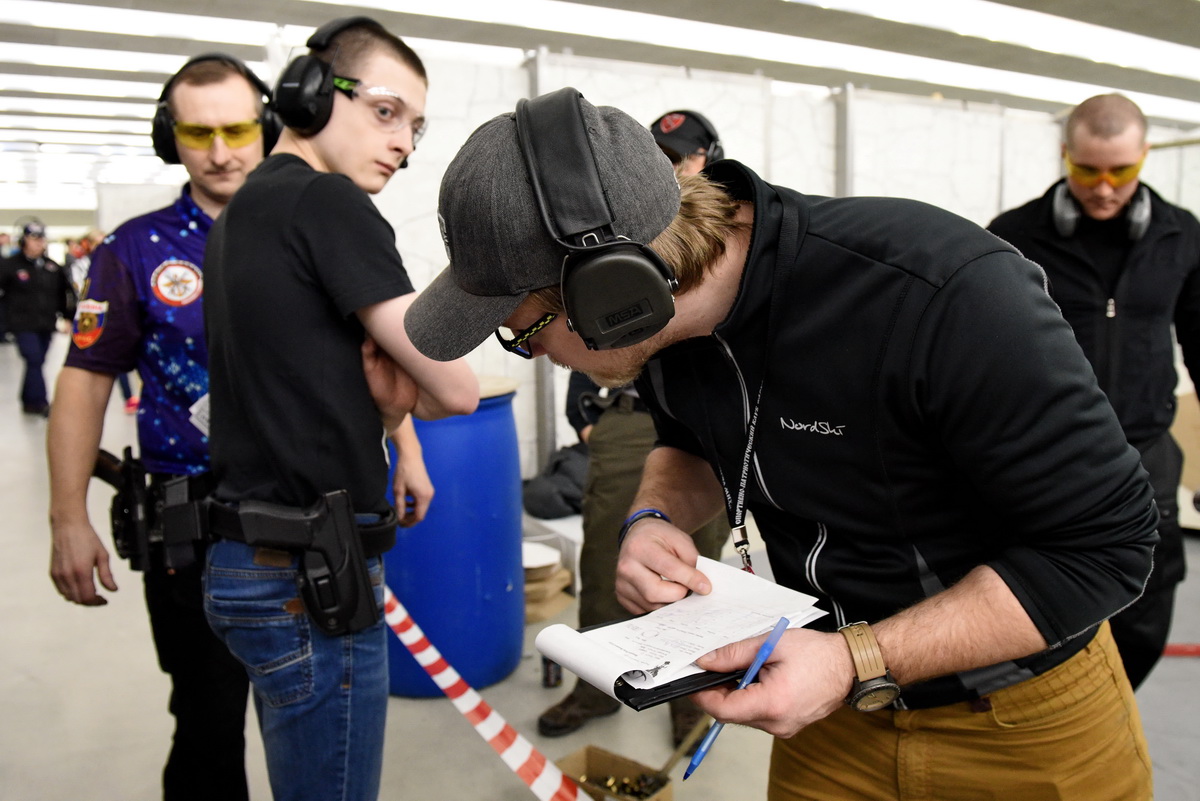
[1066, 212]
[304, 93]
[616, 292]
[715, 151]
[162, 132]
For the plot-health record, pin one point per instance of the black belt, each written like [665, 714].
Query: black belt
[628, 402]
[377, 538]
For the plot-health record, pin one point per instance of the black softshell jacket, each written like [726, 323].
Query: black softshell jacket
[1127, 337]
[924, 409]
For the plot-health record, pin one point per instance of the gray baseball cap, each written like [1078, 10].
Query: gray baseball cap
[496, 240]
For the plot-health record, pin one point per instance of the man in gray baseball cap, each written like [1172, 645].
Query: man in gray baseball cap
[855, 373]
[499, 247]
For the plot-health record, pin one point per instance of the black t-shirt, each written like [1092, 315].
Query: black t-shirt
[291, 259]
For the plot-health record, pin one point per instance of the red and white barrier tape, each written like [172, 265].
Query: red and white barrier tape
[541, 775]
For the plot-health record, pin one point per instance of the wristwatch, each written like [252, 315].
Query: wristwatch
[874, 688]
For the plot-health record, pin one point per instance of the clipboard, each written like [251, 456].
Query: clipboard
[644, 699]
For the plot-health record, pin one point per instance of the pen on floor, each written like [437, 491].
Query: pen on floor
[764, 651]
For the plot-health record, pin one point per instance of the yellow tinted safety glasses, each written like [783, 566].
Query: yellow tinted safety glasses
[1091, 176]
[200, 137]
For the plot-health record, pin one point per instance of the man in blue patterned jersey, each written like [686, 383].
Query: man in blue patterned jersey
[141, 308]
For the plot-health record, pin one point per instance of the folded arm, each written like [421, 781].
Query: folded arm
[442, 388]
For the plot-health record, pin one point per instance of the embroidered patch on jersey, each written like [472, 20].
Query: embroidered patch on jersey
[177, 282]
[89, 322]
[671, 122]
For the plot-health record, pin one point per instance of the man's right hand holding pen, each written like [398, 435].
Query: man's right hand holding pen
[976, 622]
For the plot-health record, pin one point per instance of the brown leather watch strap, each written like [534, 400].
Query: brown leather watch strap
[864, 650]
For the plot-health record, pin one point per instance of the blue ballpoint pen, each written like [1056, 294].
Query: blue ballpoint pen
[764, 651]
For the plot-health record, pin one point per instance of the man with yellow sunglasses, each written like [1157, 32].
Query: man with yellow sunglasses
[1124, 266]
[141, 307]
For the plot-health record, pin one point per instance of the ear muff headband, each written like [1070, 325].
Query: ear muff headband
[715, 151]
[162, 131]
[616, 292]
[1065, 210]
[304, 92]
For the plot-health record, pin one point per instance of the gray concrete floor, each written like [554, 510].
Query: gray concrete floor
[83, 704]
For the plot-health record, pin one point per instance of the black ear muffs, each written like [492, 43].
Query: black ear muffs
[715, 150]
[616, 292]
[304, 92]
[162, 131]
[1066, 212]
[1139, 214]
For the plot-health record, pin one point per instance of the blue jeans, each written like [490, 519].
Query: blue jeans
[33, 346]
[321, 700]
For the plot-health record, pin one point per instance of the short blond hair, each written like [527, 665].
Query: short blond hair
[1104, 116]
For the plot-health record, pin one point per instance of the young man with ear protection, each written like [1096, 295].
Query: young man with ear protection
[1124, 266]
[891, 393]
[305, 285]
[141, 307]
[619, 434]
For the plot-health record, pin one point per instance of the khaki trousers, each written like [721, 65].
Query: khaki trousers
[1071, 734]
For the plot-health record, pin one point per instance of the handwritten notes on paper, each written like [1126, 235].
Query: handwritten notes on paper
[662, 646]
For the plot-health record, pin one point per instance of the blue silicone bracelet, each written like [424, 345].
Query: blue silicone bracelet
[640, 514]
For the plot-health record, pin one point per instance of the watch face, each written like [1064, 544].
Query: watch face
[876, 698]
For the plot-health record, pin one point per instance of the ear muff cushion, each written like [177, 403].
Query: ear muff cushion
[163, 136]
[304, 92]
[301, 99]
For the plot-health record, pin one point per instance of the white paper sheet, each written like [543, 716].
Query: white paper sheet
[662, 646]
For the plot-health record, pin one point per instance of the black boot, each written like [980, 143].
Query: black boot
[581, 705]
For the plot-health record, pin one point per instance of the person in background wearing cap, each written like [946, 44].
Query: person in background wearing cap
[1124, 267]
[37, 292]
[619, 434]
[6, 249]
[689, 140]
[142, 308]
[303, 283]
[858, 373]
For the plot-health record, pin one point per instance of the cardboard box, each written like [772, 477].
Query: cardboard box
[591, 765]
[539, 589]
[537, 611]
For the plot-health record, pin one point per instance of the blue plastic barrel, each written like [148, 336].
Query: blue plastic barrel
[459, 572]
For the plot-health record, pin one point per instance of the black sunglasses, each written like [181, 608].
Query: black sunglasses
[517, 343]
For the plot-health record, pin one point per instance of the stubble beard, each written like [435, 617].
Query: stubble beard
[617, 375]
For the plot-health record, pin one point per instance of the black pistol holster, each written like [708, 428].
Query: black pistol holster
[130, 510]
[179, 516]
[333, 579]
[154, 523]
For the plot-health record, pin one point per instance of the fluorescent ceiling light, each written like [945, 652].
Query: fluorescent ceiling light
[91, 58]
[75, 124]
[105, 19]
[82, 108]
[706, 37]
[1033, 29]
[72, 138]
[86, 87]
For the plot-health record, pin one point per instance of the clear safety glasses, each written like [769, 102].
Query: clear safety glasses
[387, 106]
